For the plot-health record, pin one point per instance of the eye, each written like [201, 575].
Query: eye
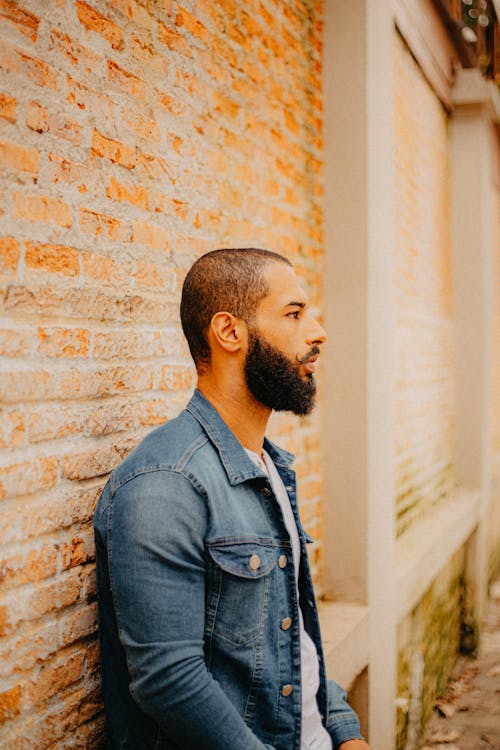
[295, 314]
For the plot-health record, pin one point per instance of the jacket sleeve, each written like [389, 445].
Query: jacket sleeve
[342, 724]
[156, 529]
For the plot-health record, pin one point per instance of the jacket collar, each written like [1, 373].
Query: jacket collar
[238, 465]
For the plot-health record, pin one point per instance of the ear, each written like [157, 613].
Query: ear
[227, 332]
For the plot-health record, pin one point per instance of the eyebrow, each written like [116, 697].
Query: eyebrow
[296, 304]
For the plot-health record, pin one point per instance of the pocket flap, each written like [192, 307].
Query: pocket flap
[245, 560]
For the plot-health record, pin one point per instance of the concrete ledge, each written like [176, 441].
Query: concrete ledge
[429, 544]
[344, 627]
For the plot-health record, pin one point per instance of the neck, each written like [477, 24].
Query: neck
[244, 416]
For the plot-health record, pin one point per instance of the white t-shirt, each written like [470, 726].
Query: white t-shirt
[314, 736]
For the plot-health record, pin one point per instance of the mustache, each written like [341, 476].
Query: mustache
[311, 353]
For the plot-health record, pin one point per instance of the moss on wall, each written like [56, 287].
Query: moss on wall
[428, 645]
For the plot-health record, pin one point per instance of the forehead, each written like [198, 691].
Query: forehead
[284, 286]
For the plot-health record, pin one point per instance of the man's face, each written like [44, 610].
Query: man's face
[283, 345]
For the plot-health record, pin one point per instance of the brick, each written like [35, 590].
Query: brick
[64, 342]
[39, 118]
[19, 157]
[42, 208]
[153, 235]
[104, 268]
[16, 61]
[76, 53]
[25, 22]
[136, 12]
[52, 258]
[192, 24]
[29, 566]
[86, 98]
[94, 463]
[28, 477]
[95, 21]
[53, 678]
[12, 429]
[115, 151]
[32, 517]
[136, 195]
[10, 252]
[71, 173]
[8, 107]
[14, 342]
[153, 166]
[80, 549]
[173, 40]
[102, 225]
[127, 81]
[9, 703]
[177, 377]
[131, 344]
[142, 126]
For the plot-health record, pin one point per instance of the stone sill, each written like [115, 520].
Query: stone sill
[424, 550]
[344, 627]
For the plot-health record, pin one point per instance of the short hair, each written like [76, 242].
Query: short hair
[226, 280]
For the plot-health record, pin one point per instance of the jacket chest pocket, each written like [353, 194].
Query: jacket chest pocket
[239, 587]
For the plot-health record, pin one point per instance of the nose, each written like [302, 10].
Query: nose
[317, 334]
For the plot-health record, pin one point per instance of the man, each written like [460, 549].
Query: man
[208, 625]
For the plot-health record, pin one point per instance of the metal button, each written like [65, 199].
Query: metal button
[286, 690]
[282, 561]
[254, 562]
[285, 623]
[266, 492]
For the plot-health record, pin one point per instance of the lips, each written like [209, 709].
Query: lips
[310, 365]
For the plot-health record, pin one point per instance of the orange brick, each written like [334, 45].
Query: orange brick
[38, 118]
[28, 477]
[64, 342]
[42, 208]
[8, 107]
[19, 157]
[225, 106]
[153, 166]
[192, 24]
[142, 126]
[29, 566]
[150, 234]
[134, 194]
[54, 678]
[85, 98]
[12, 429]
[115, 151]
[92, 222]
[14, 343]
[25, 22]
[95, 21]
[9, 702]
[104, 268]
[173, 40]
[72, 173]
[127, 81]
[10, 252]
[52, 258]
[17, 61]
[76, 53]
[176, 377]
[138, 13]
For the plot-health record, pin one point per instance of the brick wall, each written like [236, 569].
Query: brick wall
[134, 136]
[424, 452]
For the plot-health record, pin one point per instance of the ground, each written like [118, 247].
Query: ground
[467, 716]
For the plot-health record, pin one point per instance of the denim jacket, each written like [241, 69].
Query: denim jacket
[195, 576]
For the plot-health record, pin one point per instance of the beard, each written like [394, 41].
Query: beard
[276, 381]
